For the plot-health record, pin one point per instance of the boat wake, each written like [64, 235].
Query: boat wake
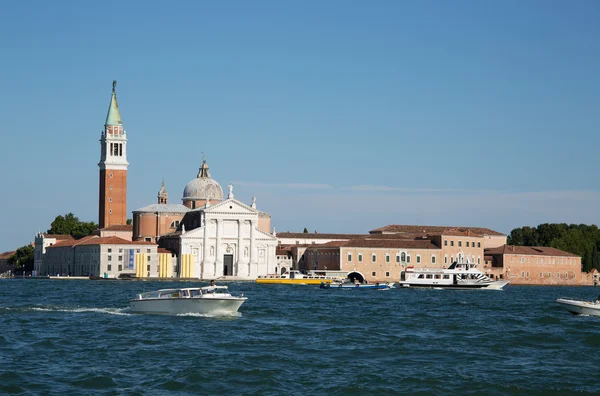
[213, 315]
[109, 311]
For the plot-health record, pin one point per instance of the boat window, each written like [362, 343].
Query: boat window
[437, 276]
[429, 276]
[446, 276]
[195, 293]
[420, 276]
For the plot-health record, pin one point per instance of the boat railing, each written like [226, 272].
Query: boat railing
[432, 270]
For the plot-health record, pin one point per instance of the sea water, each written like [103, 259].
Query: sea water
[76, 337]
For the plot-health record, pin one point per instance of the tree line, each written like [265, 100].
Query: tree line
[68, 224]
[580, 239]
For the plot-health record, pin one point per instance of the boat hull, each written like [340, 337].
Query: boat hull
[177, 306]
[497, 285]
[284, 281]
[579, 307]
[360, 286]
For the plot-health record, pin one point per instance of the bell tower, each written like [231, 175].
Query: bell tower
[112, 208]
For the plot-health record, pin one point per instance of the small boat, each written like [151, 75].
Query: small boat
[459, 275]
[211, 300]
[580, 307]
[297, 278]
[348, 285]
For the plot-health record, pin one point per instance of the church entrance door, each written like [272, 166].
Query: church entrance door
[228, 264]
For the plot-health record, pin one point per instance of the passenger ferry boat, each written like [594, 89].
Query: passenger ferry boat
[297, 278]
[457, 276]
[212, 300]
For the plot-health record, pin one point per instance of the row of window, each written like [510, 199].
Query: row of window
[387, 274]
[116, 149]
[564, 275]
[472, 244]
[433, 276]
[404, 258]
[136, 250]
[544, 260]
[121, 258]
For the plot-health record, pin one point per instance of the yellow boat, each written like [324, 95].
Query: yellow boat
[296, 278]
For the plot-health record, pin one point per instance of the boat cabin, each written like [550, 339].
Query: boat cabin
[188, 292]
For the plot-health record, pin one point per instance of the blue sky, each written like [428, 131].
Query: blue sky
[338, 116]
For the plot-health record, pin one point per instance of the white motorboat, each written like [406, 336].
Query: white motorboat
[580, 307]
[457, 276]
[210, 300]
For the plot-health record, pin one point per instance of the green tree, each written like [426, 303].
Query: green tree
[305, 230]
[129, 221]
[23, 258]
[596, 258]
[586, 261]
[69, 224]
[549, 232]
[516, 237]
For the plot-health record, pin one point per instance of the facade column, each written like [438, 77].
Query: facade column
[206, 256]
[218, 253]
[239, 250]
[252, 267]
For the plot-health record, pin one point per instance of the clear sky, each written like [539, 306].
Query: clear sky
[339, 116]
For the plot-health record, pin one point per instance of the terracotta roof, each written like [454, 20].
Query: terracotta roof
[6, 255]
[113, 240]
[71, 242]
[282, 251]
[328, 245]
[163, 250]
[96, 240]
[58, 236]
[460, 232]
[528, 251]
[406, 237]
[392, 243]
[399, 228]
[303, 235]
[118, 228]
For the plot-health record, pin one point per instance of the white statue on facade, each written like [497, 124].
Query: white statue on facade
[230, 195]
[253, 202]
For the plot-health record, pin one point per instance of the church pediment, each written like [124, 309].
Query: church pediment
[232, 206]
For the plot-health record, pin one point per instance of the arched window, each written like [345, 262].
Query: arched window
[175, 224]
[403, 257]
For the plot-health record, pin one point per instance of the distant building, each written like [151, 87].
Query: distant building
[491, 238]
[225, 239]
[106, 257]
[534, 265]
[4, 266]
[41, 242]
[303, 238]
[121, 231]
[382, 257]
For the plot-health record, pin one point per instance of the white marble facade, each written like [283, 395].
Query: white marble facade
[228, 242]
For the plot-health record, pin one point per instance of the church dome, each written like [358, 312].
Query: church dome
[203, 187]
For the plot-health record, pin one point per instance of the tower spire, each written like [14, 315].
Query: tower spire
[163, 196]
[113, 118]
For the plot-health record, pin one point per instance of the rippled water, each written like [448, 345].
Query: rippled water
[76, 337]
